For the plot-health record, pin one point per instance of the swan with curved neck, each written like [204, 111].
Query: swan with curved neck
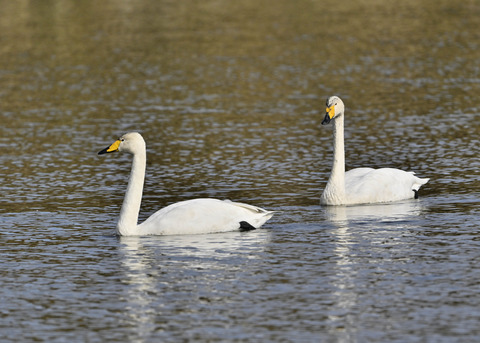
[186, 217]
[362, 185]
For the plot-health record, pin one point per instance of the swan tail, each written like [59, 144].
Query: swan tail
[258, 217]
[268, 214]
[419, 183]
[262, 219]
[258, 222]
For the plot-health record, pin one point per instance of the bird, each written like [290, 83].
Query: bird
[195, 216]
[362, 185]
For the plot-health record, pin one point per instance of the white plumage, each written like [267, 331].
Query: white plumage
[195, 216]
[362, 185]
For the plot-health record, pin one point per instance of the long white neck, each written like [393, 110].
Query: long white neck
[334, 193]
[128, 220]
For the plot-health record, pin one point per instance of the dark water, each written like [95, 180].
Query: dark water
[229, 97]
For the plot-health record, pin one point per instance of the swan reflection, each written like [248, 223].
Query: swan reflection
[366, 234]
[394, 211]
[167, 273]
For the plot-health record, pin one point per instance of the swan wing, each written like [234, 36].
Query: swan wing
[366, 185]
[200, 216]
[357, 173]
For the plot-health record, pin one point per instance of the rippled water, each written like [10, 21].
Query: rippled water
[229, 97]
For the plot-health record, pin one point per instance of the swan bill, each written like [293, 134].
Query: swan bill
[326, 120]
[330, 114]
[111, 148]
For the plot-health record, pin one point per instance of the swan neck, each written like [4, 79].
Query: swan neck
[128, 220]
[334, 193]
[338, 166]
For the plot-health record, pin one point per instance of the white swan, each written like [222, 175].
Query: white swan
[186, 217]
[362, 185]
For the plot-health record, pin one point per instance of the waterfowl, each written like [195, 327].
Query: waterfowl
[362, 185]
[196, 216]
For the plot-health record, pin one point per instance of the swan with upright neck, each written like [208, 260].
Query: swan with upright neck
[362, 185]
[196, 216]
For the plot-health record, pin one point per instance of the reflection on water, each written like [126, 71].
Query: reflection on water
[349, 241]
[229, 97]
[141, 284]
[158, 269]
[345, 292]
[395, 211]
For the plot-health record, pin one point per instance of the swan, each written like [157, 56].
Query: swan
[362, 185]
[196, 216]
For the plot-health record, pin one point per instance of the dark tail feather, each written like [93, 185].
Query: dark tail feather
[245, 226]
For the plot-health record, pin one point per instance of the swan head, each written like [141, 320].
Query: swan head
[334, 109]
[131, 142]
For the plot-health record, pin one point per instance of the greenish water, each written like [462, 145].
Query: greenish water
[229, 97]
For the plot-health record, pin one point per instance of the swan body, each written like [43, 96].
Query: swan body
[196, 216]
[362, 185]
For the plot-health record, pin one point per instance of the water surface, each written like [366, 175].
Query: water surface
[229, 97]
